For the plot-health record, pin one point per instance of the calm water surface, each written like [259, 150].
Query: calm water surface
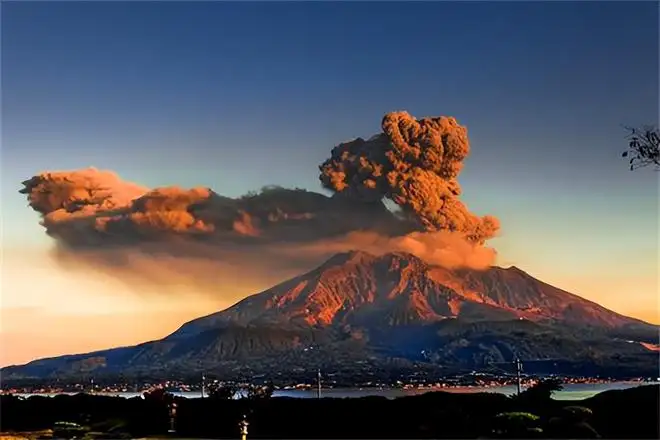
[570, 391]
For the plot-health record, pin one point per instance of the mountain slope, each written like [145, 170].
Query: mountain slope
[358, 308]
[357, 288]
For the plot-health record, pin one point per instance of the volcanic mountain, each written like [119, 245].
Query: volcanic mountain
[360, 289]
[363, 308]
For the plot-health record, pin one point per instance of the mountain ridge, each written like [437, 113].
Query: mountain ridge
[358, 307]
[490, 287]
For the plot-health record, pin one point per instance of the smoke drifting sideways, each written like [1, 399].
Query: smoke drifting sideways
[195, 240]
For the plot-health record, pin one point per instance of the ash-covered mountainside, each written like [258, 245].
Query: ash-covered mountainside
[363, 309]
[360, 289]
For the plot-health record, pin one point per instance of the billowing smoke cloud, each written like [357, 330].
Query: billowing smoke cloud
[415, 164]
[196, 239]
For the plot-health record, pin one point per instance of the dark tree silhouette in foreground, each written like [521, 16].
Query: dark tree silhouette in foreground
[643, 147]
[572, 422]
[221, 392]
[538, 396]
[517, 425]
[158, 395]
[541, 391]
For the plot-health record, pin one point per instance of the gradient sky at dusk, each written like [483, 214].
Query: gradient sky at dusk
[236, 96]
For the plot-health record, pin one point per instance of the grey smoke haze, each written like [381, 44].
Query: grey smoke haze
[198, 238]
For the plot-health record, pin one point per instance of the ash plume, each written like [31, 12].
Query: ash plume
[414, 163]
[197, 239]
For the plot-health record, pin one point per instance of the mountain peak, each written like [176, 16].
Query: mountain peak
[376, 290]
[392, 304]
[363, 257]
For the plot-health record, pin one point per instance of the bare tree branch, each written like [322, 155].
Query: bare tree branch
[643, 147]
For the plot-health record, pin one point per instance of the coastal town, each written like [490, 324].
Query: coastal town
[200, 389]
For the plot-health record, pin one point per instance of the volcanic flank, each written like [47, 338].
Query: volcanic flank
[425, 285]
[360, 289]
[358, 306]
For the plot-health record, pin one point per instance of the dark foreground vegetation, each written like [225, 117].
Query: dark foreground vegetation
[622, 414]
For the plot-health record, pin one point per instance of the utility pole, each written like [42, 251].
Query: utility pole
[172, 429]
[518, 372]
[318, 384]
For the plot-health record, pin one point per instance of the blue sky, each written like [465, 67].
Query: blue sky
[235, 96]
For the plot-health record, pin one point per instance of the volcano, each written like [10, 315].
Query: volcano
[398, 289]
[359, 308]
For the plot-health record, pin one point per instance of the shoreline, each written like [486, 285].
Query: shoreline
[569, 389]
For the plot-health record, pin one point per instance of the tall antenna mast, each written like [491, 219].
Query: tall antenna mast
[172, 418]
[203, 384]
[318, 384]
[518, 372]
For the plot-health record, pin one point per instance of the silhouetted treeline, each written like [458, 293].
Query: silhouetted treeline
[631, 413]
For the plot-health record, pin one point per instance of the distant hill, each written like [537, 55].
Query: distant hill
[358, 308]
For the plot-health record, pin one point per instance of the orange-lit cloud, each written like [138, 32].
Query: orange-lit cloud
[415, 164]
[201, 241]
[123, 244]
[133, 263]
